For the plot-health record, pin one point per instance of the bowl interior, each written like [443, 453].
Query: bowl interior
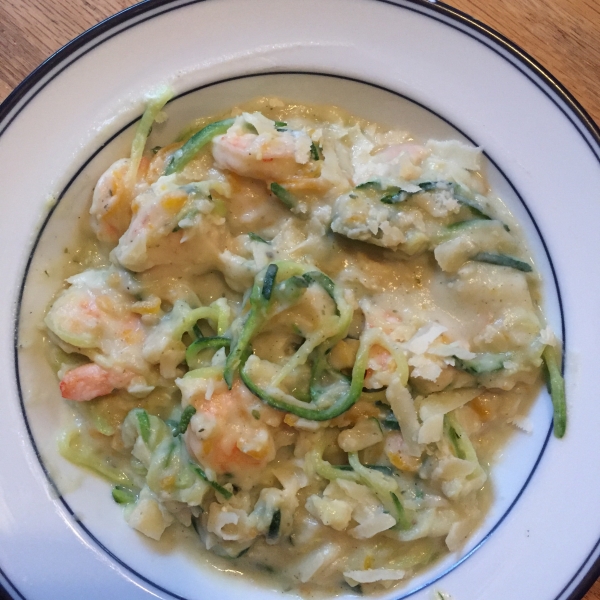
[87, 497]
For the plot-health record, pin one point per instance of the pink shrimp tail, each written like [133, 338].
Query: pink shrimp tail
[91, 381]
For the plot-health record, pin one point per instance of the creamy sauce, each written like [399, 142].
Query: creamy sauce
[420, 274]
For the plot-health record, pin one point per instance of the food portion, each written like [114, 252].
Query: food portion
[305, 336]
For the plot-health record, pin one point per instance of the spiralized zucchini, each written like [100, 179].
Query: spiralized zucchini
[302, 336]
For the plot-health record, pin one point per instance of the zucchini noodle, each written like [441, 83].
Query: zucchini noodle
[304, 337]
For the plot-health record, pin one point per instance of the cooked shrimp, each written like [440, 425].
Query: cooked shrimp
[154, 217]
[91, 381]
[270, 154]
[97, 320]
[113, 200]
[232, 431]
[154, 236]
[111, 203]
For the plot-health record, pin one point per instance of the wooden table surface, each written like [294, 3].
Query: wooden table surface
[563, 35]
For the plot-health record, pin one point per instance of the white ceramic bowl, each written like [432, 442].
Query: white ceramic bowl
[405, 63]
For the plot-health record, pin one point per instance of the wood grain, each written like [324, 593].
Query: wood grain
[562, 35]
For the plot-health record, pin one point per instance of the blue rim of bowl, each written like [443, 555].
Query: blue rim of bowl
[527, 64]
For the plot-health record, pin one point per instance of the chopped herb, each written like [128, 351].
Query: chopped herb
[474, 208]
[427, 186]
[274, 526]
[257, 238]
[369, 185]
[390, 422]
[396, 197]
[464, 224]
[286, 197]
[454, 438]
[314, 152]
[269, 281]
[503, 260]
[219, 488]
[144, 425]
[256, 414]
[381, 468]
[123, 495]
[280, 124]
[186, 416]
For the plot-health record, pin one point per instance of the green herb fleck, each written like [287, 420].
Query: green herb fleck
[314, 152]
[269, 281]
[503, 260]
[257, 238]
[286, 197]
[186, 417]
[274, 526]
[219, 488]
[123, 495]
[144, 425]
